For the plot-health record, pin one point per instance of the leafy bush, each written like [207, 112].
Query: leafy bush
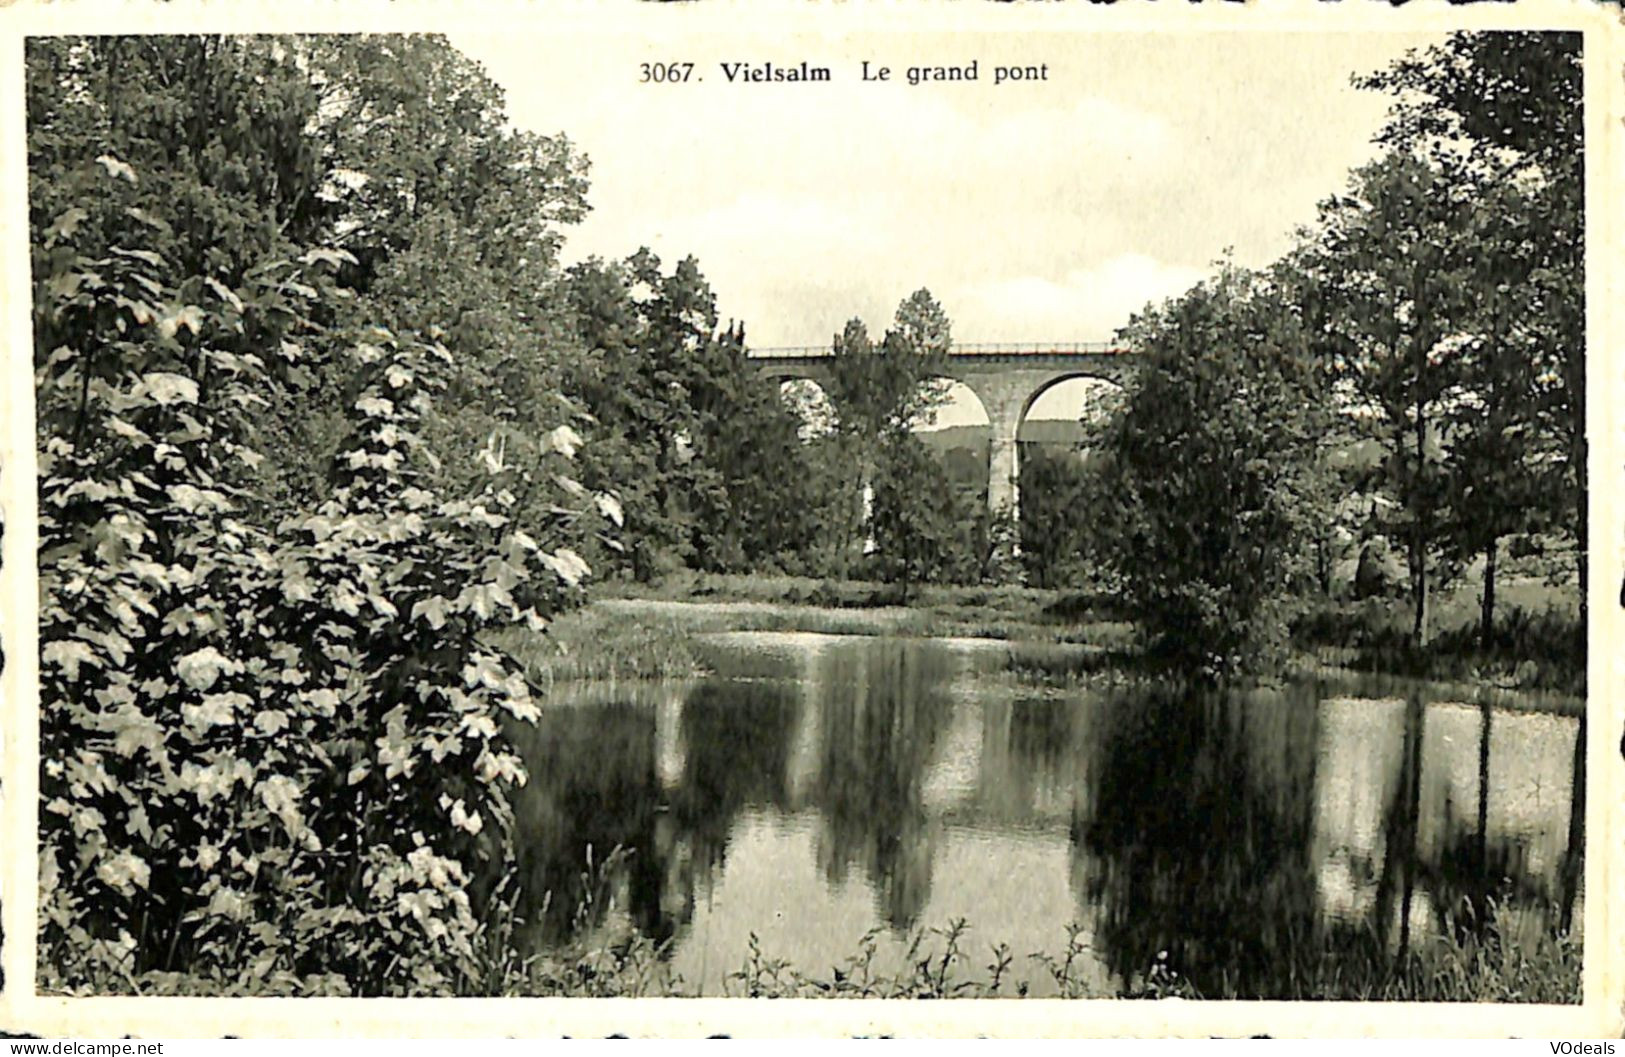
[271, 722]
[271, 758]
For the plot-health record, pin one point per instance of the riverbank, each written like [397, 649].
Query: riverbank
[633, 631]
[642, 632]
[858, 607]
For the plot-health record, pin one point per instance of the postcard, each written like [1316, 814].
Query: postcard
[525, 519]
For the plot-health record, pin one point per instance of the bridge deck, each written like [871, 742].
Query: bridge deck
[961, 349]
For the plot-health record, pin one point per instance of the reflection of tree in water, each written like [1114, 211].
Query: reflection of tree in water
[1042, 746]
[1397, 873]
[1468, 870]
[882, 719]
[594, 785]
[1029, 757]
[1574, 854]
[1473, 872]
[737, 736]
[1194, 838]
[1193, 835]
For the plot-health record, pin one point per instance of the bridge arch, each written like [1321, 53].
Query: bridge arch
[1050, 470]
[1088, 392]
[1006, 379]
[810, 402]
[1008, 395]
[960, 431]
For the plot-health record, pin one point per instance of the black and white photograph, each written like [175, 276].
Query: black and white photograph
[700, 510]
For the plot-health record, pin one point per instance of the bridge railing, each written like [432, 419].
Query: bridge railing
[997, 348]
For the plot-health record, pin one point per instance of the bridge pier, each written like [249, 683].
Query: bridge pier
[1004, 411]
[1003, 477]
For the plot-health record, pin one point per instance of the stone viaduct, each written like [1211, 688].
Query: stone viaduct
[1006, 378]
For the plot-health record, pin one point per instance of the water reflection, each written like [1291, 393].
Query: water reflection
[594, 788]
[1193, 836]
[882, 717]
[816, 788]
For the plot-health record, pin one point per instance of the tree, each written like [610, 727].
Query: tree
[914, 523]
[1208, 495]
[1508, 107]
[393, 152]
[770, 492]
[921, 328]
[412, 128]
[1391, 261]
[626, 412]
[213, 170]
[1053, 540]
[706, 456]
[642, 330]
[455, 220]
[1497, 454]
[880, 391]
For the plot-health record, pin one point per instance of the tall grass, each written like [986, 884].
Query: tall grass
[944, 962]
[1528, 649]
[1473, 958]
[599, 643]
[596, 963]
[854, 607]
[1537, 644]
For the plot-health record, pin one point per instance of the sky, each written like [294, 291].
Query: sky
[1037, 211]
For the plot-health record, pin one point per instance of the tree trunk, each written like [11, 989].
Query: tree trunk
[1419, 586]
[1419, 533]
[1486, 616]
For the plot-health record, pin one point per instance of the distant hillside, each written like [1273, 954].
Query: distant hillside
[975, 438]
[1033, 431]
[1050, 431]
[965, 450]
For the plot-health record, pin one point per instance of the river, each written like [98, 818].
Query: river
[816, 788]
